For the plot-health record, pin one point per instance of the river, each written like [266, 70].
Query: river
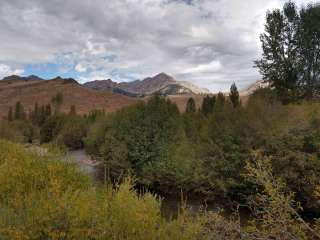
[170, 205]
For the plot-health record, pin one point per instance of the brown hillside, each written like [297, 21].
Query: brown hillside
[41, 91]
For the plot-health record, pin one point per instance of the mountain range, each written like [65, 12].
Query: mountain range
[103, 94]
[110, 97]
[162, 84]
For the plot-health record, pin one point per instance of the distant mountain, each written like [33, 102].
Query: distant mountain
[14, 79]
[161, 83]
[110, 86]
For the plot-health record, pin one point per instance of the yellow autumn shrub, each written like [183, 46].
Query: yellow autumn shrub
[45, 198]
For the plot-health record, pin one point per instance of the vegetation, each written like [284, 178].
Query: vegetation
[263, 154]
[206, 154]
[57, 101]
[234, 96]
[291, 49]
[42, 197]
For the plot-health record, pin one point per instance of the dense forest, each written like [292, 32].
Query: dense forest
[263, 154]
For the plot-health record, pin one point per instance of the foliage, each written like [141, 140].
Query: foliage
[51, 128]
[276, 210]
[309, 49]
[234, 96]
[17, 131]
[291, 51]
[57, 101]
[191, 106]
[41, 198]
[40, 114]
[208, 105]
[169, 151]
[73, 132]
[10, 114]
[19, 113]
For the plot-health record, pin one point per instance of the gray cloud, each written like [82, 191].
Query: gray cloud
[207, 42]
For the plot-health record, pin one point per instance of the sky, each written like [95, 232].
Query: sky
[210, 43]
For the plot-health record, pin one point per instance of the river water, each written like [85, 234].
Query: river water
[84, 162]
[170, 205]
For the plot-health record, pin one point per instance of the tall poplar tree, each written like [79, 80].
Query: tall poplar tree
[309, 49]
[279, 64]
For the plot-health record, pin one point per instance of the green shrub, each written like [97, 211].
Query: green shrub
[42, 198]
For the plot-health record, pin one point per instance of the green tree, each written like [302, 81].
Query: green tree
[234, 96]
[57, 101]
[309, 50]
[19, 113]
[72, 133]
[35, 114]
[208, 105]
[191, 106]
[51, 128]
[279, 64]
[221, 100]
[10, 114]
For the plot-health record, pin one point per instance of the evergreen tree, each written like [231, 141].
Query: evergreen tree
[19, 113]
[57, 101]
[35, 114]
[221, 99]
[10, 115]
[208, 105]
[191, 106]
[234, 96]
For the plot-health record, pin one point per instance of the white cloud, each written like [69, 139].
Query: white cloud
[80, 68]
[209, 42]
[211, 67]
[7, 71]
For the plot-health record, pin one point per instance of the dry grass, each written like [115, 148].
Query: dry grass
[85, 100]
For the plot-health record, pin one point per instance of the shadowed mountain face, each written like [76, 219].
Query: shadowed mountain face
[161, 83]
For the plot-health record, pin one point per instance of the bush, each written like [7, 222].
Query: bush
[42, 198]
[18, 131]
[72, 133]
[51, 128]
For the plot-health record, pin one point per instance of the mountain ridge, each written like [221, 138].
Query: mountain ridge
[161, 83]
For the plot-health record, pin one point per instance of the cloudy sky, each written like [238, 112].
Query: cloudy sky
[211, 43]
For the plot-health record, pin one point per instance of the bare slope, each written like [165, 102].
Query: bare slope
[30, 91]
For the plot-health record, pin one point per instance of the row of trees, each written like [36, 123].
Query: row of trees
[209, 102]
[204, 152]
[44, 125]
[291, 52]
